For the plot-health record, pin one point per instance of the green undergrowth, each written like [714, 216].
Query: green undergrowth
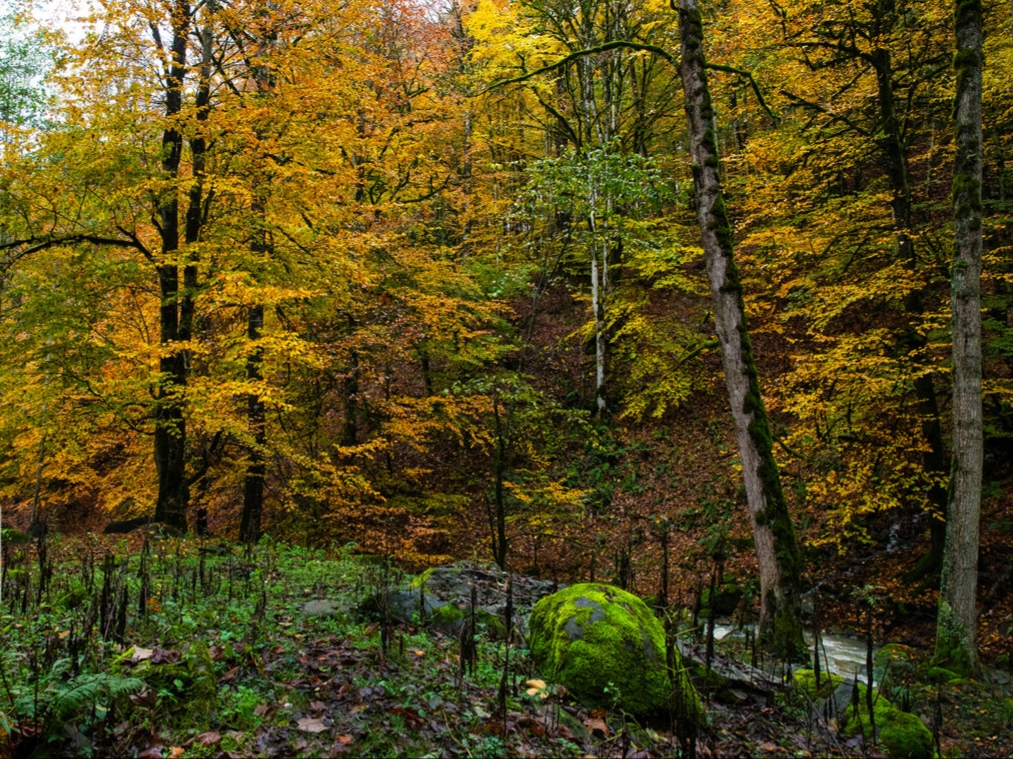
[209, 647]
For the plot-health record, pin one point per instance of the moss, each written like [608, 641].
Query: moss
[952, 647]
[893, 653]
[805, 679]
[605, 645]
[447, 619]
[447, 614]
[419, 580]
[903, 735]
[494, 624]
[941, 675]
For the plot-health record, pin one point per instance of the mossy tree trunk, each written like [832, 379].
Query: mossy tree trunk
[776, 547]
[956, 629]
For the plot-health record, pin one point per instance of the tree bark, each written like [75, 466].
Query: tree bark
[956, 630]
[170, 425]
[776, 547]
[895, 154]
[598, 286]
[253, 483]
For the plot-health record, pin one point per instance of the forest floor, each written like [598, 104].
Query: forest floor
[190, 648]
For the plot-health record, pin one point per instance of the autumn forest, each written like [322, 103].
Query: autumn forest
[706, 302]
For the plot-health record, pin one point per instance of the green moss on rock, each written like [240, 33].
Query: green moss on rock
[904, 736]
[420, 580]
[901, 734]
[605, 645]
[805, 679]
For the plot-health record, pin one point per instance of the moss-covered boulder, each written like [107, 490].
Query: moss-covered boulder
[606, 647]
[901, 734]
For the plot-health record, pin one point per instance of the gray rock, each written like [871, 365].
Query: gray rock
[320, 608]
[835, 706]
[412, 606]
[452, 584]
[445, 593]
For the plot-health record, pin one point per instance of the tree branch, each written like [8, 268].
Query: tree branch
[642, 47]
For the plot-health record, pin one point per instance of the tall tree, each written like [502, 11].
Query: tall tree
[956, 632]
[776, 547]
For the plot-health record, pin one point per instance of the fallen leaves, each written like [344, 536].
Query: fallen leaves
[312, 725]
[208, 739]
[599, 728]
[141, 654]
[410, 716]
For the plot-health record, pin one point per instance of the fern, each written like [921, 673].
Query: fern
[88, 690]
[61, 701]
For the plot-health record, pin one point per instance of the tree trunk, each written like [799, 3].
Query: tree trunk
[776, 547]
[598, 284]
[499, 538]
[956, 644]
[895, 154]
[253, 485]
[170, 425]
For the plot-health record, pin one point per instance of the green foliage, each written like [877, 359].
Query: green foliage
[26, 57]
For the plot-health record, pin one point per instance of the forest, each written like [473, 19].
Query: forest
[506, 378]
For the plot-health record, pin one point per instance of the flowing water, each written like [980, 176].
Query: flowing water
[845, 655]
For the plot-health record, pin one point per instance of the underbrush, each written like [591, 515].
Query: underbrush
[200, 648]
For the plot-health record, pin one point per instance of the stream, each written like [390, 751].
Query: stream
[846, 655]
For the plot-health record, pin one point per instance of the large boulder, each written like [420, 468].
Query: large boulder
[606, 647]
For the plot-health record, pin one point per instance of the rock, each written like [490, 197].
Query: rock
[606, 646]
[733, 673]
[836, 705]
[405, 606]
[452, 585]
[320, 608]
[903, 735]
[995, 676]
[447, 594]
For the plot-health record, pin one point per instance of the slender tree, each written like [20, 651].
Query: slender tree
[776, 547]
[956, 628]
[170, 424]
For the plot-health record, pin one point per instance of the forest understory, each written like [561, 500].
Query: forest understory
[205, 648]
